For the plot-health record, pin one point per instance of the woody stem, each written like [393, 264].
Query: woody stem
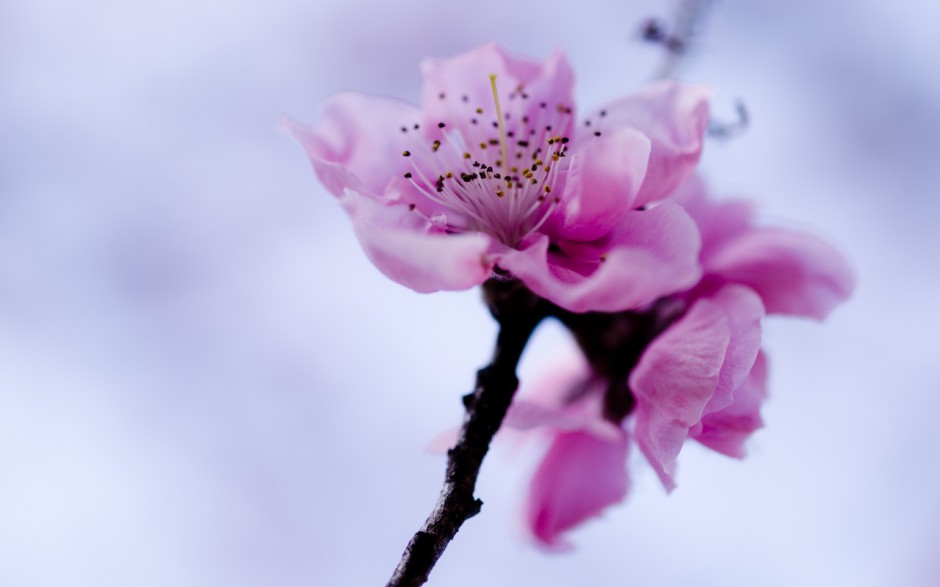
[518, 312]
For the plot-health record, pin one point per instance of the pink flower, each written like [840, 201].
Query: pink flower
[584, 469]
[703, 377]
[496, 176]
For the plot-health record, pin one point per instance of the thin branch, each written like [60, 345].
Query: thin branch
[728, 130]
[518, 312]
[679, 41]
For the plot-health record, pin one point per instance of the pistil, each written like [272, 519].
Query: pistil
[502, 124]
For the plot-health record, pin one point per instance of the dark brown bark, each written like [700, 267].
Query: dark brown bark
[518, 312]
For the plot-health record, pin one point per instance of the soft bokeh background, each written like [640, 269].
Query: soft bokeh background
[204, 382]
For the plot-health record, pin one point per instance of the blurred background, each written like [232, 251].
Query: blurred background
[204, 382]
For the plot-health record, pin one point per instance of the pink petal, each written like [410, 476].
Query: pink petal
[524, 415]
[650, 254]
[469, 75]
[674, 116]
[726, 430]
[567, 397]
[412, 252]
[577, 479]
[674, 380]
[569, 375]
[743, 310]
[601, 184]
[444, 441]
[794, 273]
[719, 222]
[357, 142]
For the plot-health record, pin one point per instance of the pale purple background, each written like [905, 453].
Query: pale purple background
[203, 382]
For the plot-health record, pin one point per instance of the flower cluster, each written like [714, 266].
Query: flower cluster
[494, 176]
[702, 377]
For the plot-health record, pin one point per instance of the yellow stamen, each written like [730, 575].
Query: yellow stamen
[499, 118]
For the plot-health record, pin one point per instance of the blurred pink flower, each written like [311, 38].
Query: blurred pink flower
[443, 195]
[794, 272]
[703, 377]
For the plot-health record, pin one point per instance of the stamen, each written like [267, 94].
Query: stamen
[499, 118]
[459, 169]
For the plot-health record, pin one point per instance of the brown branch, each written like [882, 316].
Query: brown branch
[683, 36]
[518, 312]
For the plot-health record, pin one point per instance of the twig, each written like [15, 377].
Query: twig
[678, 42]
[728, 130]
[518, 312]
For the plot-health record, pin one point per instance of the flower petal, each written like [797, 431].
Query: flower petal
[674, 116]
[579, 476]
[674, 380]
[524, 415]
[357, 142]
[743, 310]
[795, 273]
[726, 430]
[718, 221]
[650, 254]
[409, 250]
[468, 76]
[601, 185]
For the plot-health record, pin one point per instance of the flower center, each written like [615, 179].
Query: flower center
[493, 174]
